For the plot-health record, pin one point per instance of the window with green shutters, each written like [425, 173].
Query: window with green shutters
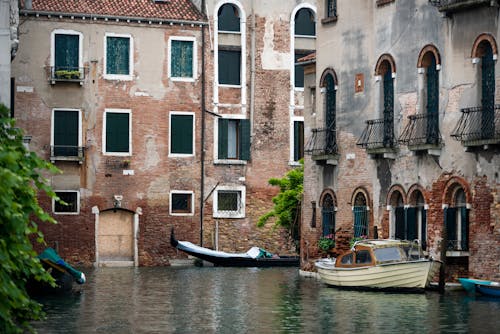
[234, 139]
[181, 134]
[118, 55]
[305, 24]
[229, 67]
[66, 132]
[117, 138]
[66, 52]
[182, 58]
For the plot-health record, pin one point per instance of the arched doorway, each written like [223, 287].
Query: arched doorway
[328, 214]
[360, 211]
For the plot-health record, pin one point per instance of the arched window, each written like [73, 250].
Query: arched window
[456, 220]
[305, 24]
[432, 98]
[416, 220]
[360, 210]
[328, 214]
[228, 18]
[399, 216]
[388, 103]
[330, 114]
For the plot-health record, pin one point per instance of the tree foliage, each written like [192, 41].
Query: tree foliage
[20, 180]
[287, 203]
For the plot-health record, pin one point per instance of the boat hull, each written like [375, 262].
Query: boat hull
[407, 275]
[487, 288]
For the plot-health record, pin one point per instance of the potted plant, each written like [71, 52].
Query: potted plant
[327, 242]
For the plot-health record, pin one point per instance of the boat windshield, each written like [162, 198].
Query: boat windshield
[388, 254]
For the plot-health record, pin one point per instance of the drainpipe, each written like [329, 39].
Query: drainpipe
[252, 74]
[202, 152]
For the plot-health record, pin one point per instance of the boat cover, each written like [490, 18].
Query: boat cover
[51, 255]
[253, 253]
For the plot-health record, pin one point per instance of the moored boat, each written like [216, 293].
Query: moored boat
[254, 257]
[484, 287]
[379, 264]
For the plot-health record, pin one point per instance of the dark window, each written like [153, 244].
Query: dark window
[304, 23]
[347, 259]
[234, 139]
[66, 128]
[432, 78]
[328, 215]
[118, 55]
[488, 92]
[299, 70]
[456, 220]
[117, 132]
[298, 140]
[363, 257]
[181, 60]
[70, 204]
[228, 200]
[229, 67]
[331, 8]
[181, 134]
[388, 108]
[66, 52]
[181, 203]
[228, 18]
[360, 211]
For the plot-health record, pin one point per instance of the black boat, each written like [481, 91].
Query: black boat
[254, 257]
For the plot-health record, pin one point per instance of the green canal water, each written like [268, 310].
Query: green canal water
[252, 300]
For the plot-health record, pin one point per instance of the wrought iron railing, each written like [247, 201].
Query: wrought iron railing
[322, 142]
[66, 152]
[378, 133]
[71, 74]
[422, 129]
[458, 245]
[478, 126]
[452, 5]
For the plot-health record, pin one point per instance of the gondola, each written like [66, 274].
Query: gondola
[254, 257]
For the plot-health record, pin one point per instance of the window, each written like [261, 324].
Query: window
[304, 23]
[66, 60]
[488, 91]
[363, 257]
[181, 134]
[299, 69]
[71, 200]
[117, 132]
[347, 259]
[298, 140]
[181, 202]
[331, 8]
[118, 58]
[389, 254]
[228, 18]
[328, 215]
[388, 102]
[229, 67]
[182, 58]
[229, 202]
[360, 211]
[234, 139]
[66, 135]
[456, 220]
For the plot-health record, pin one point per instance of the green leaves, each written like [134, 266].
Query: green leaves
[20, 180]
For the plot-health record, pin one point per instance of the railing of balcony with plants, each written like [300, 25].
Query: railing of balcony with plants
[421, 129]
[378, 133]
[71, 74]
[322, 142]
[478, 126]
[67, 152]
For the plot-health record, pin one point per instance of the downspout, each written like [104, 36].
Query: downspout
[252, 74]
[202, 144]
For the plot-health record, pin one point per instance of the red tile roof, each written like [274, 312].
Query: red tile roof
[307, 59]
[183, 10]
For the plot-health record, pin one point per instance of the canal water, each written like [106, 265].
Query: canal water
[253, 300]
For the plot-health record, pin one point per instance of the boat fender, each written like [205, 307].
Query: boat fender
[82, 279]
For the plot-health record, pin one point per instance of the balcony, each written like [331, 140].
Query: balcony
[65, 74]
[67, 153]
[450, 6]
[378, 138]
[323, 145]
[422, 133]
[478, 127]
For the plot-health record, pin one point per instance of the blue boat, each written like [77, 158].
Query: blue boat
[484, 287]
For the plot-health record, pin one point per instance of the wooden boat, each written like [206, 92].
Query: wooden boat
[63, 273]
[379, 264]
[254, 257]
[484, 287]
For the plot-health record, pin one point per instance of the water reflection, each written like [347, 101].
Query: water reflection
[249, 300]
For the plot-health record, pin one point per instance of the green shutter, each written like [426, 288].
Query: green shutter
[66, 52]
[244, 131]
[424, 228]
[181, 59]
[223, 138]
[117, 132]
[450, 222]
[298, 140]
[400, 223]
[118, 55]
[464, 228]
[411, 224]
[66, 133]
[181, 134]
[229, 67]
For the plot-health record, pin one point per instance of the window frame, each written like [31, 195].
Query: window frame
[193, 146]
[194, 63]
[238, 17]
[218, 160]
[77, 203]
[104, 139]
[111, 76]
[52, 125]
[230, 214]
[181, 192]
[53, 45]
[240, 64]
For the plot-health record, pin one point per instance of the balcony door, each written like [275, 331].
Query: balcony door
[66, 132]
[488, 92]
[432, 107]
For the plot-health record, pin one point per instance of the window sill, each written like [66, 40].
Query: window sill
[328, 20]
[229, 86]
[383, 2]
[117, 77]
[117, 154]
[457, 253]
[294, 163]
[298, 89]
[187, 79]
[182, 214]
[305, 36]
[228, 215]
[67, 213]
[229, 162]
[180, 155]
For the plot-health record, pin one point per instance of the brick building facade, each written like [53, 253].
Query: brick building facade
[159, 115]
[402, 130]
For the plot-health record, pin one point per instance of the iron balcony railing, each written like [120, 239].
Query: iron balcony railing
[422, 129]
[71, 74]
[478, 126]
[378, 133]
[322, 142]
[68, 153]
[456, 5]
